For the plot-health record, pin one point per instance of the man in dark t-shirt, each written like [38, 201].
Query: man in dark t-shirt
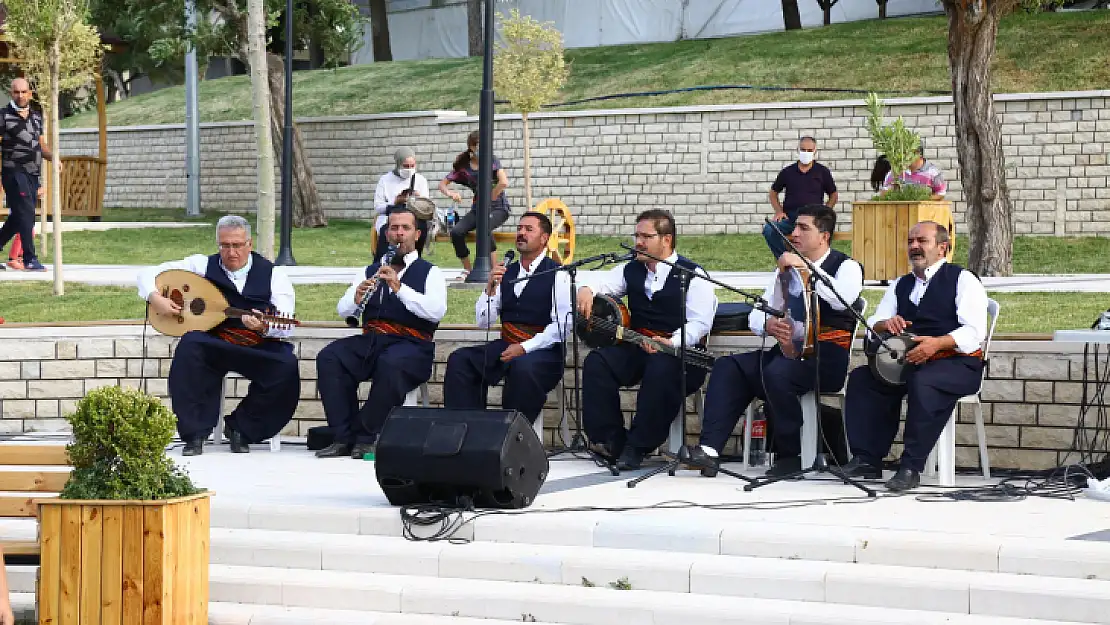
[805, 182]
[22, 148]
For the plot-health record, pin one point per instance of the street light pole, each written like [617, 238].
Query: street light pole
[482, 265]
[285, 253]
[192, 121]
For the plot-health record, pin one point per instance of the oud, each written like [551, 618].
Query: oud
[203, 306]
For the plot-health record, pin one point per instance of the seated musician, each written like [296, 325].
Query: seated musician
[771, 375]
[247, 346]
[656, 308]
[535, 316]
[406, 300]
[945, 307]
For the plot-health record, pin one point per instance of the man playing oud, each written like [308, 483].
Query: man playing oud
[657, 309]
[246, 346]
[534, 322]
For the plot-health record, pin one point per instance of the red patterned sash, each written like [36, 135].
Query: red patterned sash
[381, 326]
[239, 336]
[518, 332]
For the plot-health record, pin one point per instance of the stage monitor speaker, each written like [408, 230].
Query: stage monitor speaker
[492, 458]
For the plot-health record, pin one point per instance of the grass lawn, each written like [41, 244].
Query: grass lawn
[1045, 52]
[33, 302]
[347, 243]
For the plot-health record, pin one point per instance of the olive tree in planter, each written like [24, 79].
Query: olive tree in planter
[127, 540]
[880, 226]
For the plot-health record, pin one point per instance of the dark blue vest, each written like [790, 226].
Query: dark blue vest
[256, 292]
[835, 319]
[935, 313]
[533, 307]
[663, 312]
[385, 305]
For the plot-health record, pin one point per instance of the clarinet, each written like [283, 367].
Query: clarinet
[387, 258]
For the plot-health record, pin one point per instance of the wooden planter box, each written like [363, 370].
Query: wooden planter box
[124, 562]
[880, 230]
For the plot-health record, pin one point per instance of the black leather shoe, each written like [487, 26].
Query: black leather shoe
[785, 466]
[335, 450]
[238, 445]
[361, 449]
[861, 470]
[194, 447]
[905, 479]
[605, 451]
[630, 460]
[696, 457]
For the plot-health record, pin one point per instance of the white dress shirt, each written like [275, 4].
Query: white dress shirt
[430, 305]
[487, 308]
[848, 282]
[389, 187]
[701, 301]
[971, 306]
[282, 295]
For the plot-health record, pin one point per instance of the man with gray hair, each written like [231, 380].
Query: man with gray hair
[247, 346]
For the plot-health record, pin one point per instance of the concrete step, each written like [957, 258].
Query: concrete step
[1032, 598]
[247, 614]
[973, 551]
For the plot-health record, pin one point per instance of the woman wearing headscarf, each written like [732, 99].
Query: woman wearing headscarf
[393, 189]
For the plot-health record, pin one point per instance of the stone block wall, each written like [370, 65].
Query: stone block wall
[711, 165]
[1032, 397]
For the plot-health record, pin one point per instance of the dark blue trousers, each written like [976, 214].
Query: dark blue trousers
[873, 409]
[658, 401]
[774, 378]
[396, 365]
[528, 378]
[200, 363]
[20, 192]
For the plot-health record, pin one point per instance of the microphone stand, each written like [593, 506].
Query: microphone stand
[578, 441]
[820, 459]
[685, 275]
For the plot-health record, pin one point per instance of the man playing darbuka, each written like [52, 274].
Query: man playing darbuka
[656, 308]
[945, 307]
[535, 315]
[407, 298]
[246, 346]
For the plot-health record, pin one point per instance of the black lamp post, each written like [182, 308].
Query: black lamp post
[285, 254]
[481, 267]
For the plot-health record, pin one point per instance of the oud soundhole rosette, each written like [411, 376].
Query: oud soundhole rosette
[197, 306]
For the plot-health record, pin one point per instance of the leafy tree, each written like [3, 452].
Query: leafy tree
[59, 52]
[972, 33]
[334, 26]
[528, 70]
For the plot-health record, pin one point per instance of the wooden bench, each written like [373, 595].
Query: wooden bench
[83, 180]
[28, 472]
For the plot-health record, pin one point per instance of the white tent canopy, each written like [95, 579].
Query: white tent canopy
[421, 29]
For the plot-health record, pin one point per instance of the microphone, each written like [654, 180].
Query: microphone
[620, 258]
[509, 256]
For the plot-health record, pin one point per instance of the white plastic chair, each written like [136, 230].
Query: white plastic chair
[417, 396]
[942, 460]
[810, 415]
[218, 434]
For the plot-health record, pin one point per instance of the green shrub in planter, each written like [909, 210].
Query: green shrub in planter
[906, 192]
[118, 450]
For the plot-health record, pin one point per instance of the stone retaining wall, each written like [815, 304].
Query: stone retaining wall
[1032, 397]
[711, 165]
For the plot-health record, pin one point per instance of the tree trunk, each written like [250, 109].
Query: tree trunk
[527, 164]
[308, 212]
[260, 95]
[56, 166]
[882, 9]
[474, 27]
[791, 17]
[379, 31]
[971, 43]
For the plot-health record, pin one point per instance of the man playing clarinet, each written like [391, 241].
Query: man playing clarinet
[400, 302]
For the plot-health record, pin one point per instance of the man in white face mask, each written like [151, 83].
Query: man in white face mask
[805, 182]
[393, 189]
